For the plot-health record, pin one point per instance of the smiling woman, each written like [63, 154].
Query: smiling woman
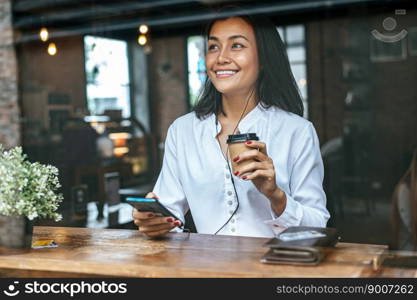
[251, 91]
[264, 50]
[232, 59]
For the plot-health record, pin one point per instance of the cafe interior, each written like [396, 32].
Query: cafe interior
[91, 87]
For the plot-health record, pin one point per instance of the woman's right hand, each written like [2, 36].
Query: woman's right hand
[152, 225]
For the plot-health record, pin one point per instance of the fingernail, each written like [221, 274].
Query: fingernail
[178, 223]
[236, 159]
[170, 220]
[244, 177]
[236, 173]
[249, 142]
[151, 215]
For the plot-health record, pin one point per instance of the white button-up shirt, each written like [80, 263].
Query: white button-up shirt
[195, 175]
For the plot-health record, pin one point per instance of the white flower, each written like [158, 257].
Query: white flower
[27, 189]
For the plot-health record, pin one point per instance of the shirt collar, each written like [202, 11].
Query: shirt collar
[255, 115]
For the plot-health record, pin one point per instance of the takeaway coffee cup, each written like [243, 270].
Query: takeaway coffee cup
[236, 144]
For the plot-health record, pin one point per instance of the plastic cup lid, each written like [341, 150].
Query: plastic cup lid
[238, 138]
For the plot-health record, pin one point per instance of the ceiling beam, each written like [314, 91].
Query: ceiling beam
[95, 11]
[186, 19]
[29, 5]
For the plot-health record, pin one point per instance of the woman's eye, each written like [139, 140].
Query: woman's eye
[212, 47]
[237, 45]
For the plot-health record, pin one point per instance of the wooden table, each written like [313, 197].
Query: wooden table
[86, 252]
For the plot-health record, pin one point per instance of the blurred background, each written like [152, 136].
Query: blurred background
[85, 87]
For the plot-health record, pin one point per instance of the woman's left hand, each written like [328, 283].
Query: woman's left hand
[262, 173]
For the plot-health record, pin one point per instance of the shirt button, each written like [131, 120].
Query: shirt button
[229, 193]
[233, 230]
[231, 212]
[227, 167]
[227, 176]
[230, 202]
[232, 220]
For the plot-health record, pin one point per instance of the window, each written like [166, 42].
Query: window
[294, 38]
[108, 84]
[196, 67]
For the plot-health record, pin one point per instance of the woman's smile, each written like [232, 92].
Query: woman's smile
[225, 73]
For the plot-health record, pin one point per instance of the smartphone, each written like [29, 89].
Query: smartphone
[151, 205]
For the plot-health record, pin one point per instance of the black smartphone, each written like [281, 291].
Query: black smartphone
[151, 205]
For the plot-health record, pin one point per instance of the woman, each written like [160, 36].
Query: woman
[249, 88]
[404, 213]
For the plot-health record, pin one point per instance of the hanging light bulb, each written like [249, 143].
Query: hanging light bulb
[44, 34]
[142, 40]
[52, 50]
[143, 29]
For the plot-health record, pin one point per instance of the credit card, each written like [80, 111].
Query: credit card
[44, 244]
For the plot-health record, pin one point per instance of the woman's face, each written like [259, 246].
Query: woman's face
[232, 57]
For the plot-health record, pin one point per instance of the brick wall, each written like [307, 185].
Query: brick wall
[168, 77]
[9, 109]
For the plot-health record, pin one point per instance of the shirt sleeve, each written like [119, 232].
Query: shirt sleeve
[306, 200]
[168, 186]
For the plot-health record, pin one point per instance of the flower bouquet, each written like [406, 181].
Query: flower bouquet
[27, 191]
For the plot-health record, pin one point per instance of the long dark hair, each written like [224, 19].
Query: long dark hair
[410, 180]
[275, 85]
